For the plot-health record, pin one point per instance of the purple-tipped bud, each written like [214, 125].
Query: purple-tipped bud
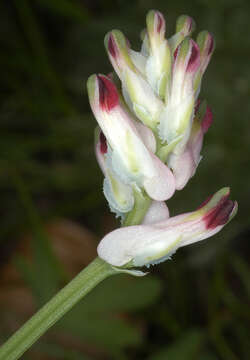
[207, 45]
[185, 24]
[155, 24]
[118, 48]
[187, 56]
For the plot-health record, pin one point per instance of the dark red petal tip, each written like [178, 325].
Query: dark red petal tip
[220, 214]
[108, 94]
[194, 59]
[160, 21]
[112, 46]
[103, 143]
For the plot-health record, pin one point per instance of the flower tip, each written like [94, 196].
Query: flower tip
[219, 209]
[108, 94]
[206, 42]
[185, 24]
[115, 41]
[110, 45]
[187, 54]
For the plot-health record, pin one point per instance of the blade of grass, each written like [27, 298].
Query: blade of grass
[37, 42]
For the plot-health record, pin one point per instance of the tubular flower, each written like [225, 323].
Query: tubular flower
[131, 158]
[153, 243]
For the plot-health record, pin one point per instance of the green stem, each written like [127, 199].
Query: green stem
[65, 299]
[136, 215]
[61, 303]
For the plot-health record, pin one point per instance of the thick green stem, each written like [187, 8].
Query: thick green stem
[61, 303]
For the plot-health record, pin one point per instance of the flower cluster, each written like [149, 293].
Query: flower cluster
[150, 135]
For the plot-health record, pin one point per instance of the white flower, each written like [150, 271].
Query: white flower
[153, 243]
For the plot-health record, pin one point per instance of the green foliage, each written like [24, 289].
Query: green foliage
[186, 347]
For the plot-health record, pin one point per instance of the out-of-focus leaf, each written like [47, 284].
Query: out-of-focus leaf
[96, 319]
[187, 347]
[122, 293]
[106, 330]
[67, 8]
[54, 351]
[45, 266]
[243, 271]
[208, 356]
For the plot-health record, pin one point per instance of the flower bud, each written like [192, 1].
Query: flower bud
[185, 25]
[145, 104]
[206, 44]
[158, 64]
[176, 118]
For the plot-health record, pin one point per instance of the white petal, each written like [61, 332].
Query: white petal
[119, 195]
[158, 211]
[176, 119]
[161, 185]
[139, 60]
[139, 244]
[183, 166]
[147, 136]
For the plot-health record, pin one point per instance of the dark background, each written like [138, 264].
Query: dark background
[52, 208]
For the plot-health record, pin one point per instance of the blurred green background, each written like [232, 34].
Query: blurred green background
[53, 210]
